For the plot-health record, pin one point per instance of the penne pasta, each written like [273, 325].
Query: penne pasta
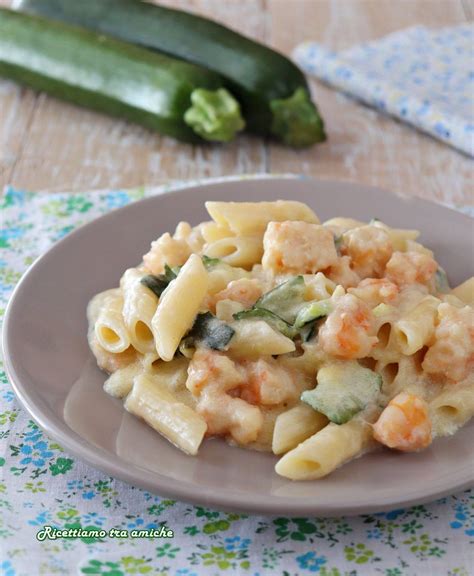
[139, 307]
[178, 307]
[294, 426]
[240, 251]
[179, 423]
[416, 329]
[465, 291]
[326, 450]
[247, 218]
[255, 338]
[452, 408]
[110, 329]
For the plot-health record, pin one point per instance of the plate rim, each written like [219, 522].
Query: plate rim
[193, 493]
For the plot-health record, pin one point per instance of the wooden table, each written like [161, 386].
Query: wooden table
[48, 145]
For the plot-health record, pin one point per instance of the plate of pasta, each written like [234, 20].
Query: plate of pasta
[275, 345]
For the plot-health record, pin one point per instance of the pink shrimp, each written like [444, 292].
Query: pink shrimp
[244, 290]
[375, 291]
[370, 249]
[404, 424]
[341, 273]
[166, 250]
[268, 383]
[452, 353]
[214, 378]
[349, 330]
[411, 267]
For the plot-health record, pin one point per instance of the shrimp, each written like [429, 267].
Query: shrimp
[349, 329]
[298, 248]
[404, 424]
[452, 354]
[192, 236]
[411, 267]
[268, 383]
[244, 290]
[166, 250]
[370, 249]
[342, 273]
[376, 291]
[213, 377]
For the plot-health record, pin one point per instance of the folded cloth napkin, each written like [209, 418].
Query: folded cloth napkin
[424, 77]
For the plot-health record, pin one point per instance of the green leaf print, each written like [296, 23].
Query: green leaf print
[133, 565]
[358, 553]
[167, 550]
[213, 527]
[102, 568]
[61, 466]
[298, 529]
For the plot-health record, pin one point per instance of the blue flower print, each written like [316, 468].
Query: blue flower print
[374, 534]
[236, 543]
[310, 561]
[63, 232]
[12, 233]
[12, 197]
[88, 495]
[41, 519]
[93, 518]
[32, 436]
[392, 515]
[6, 569]
[78, 484]
[36, 454]
[117, 199]
[8, 396]
[185, 572]
[463, 519]
[139, 523]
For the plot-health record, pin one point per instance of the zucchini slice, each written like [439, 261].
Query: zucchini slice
[441, 281]
[312, 311]
[167, 95]
[270, 318]
[157, 283]
[210, 332]
[285, 300]
[343, 390]
[272, 90]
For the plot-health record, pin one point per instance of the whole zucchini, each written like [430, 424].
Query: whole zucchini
[162, 93]
[272, 90]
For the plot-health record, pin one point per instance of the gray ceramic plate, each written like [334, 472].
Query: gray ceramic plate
[48, 362]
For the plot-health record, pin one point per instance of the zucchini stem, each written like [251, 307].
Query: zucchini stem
[214, 115]
[296, 120]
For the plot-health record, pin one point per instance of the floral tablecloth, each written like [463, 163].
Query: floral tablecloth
[42, 485]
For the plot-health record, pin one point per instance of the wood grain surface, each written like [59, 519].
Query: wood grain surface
[49, 145]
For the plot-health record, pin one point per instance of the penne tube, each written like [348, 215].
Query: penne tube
[452, 408]
[178, 307]
[139, 307]
[177, 422]
[416, 329]
[110, 329]
[248, 218]
[465, 291]
[243, 251]
[294, 426]
[254, 338]
[326, 450]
